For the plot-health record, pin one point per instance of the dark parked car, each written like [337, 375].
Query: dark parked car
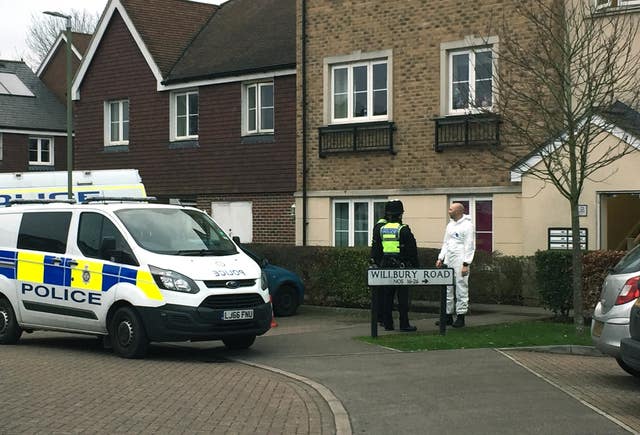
[286, 288]
[630, 347]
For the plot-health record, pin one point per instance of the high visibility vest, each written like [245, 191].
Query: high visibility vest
[390, 235]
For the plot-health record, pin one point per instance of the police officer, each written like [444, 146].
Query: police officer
[394, 246]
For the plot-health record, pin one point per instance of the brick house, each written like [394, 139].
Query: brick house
[201, 100]
[53, 68]
[33, 122]
[381, 85]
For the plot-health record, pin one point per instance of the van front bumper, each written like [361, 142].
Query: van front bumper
[183, 323]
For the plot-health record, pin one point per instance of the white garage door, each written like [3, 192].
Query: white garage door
[235, 218]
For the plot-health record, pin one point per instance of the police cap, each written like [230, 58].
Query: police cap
[393, 207]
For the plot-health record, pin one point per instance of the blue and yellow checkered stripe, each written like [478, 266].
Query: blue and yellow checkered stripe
[47, 269]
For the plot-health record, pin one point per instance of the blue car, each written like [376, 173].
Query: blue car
[286, 287]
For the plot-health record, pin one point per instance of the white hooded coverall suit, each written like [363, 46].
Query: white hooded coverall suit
[458, 247]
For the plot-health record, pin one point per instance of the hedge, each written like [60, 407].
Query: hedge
[337, 276]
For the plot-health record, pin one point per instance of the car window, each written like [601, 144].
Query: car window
[44, 231]
[93, 230]
[176, 231]
[630, 262]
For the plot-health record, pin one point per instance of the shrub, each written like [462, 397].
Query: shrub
[595, 266]
[553, 277]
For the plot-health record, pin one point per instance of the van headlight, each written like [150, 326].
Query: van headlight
[263, 280]
[174, 281]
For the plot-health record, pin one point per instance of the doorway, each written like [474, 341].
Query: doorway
[619, 220]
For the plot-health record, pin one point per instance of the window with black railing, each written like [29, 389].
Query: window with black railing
[466, 130]
[359, 137]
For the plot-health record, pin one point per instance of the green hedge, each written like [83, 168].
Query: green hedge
[337, 276]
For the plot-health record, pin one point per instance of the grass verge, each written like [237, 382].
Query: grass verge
[532, 333]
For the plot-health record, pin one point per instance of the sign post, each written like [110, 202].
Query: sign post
[380, 277]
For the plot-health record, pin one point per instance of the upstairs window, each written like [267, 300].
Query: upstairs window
[259, 108]
[184, 115]
[40, 151]
[117, 122]
[470, 80]
[616, 3]
[360, 91]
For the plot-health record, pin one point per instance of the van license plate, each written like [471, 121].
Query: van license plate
[597, 328]
[237, 315]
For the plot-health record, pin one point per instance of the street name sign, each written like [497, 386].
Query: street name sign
[387, 277]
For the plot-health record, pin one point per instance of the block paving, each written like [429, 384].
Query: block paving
[58, 383]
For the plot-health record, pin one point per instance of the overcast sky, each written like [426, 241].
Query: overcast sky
[15, 18]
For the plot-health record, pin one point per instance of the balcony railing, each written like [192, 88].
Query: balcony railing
[466, 130]
[371, 136]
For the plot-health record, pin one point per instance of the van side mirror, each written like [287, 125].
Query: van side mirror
[236, 239]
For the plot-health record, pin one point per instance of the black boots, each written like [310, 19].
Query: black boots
[448, 320]
[459, 323]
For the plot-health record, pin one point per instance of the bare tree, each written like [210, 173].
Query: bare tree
[44, 30]
[554, 93]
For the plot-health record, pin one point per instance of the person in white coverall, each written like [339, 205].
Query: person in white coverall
[457, 251]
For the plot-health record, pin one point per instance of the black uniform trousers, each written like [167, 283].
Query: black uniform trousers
[388, 295]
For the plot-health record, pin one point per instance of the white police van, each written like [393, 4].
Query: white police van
[129, 270]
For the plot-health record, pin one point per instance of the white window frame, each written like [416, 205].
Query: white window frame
[472, 212]
[351, 229]
[174, 115]
[259, 106]
[469, 44]
[40, 162]
[472, 52]
[107, 122]
[355, 59]
[351, 92]
[616, 3]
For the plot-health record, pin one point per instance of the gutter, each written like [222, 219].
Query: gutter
[303, 72]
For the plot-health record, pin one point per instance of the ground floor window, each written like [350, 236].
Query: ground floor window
[481, 212]
[353, 220]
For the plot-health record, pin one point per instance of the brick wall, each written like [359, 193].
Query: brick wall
[15, 153]
[272, 220]
[414, 31]
[55, 75]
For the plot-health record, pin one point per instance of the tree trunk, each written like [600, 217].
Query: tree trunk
[578, 317]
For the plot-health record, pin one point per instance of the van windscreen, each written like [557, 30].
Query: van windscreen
[176, 231]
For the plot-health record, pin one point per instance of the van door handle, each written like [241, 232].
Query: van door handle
[72, 263]
[56, 261]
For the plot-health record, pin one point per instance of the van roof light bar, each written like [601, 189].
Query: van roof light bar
[40, 201]
[106, 199]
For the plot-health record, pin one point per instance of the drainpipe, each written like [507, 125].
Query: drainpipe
[303, 71]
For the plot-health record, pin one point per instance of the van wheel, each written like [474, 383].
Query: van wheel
[238, 342]
[128, 337]
[10, 331]
[286, 301]
[624, 366]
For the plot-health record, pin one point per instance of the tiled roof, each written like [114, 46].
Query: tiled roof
[43, 111]
[243, 36]
[167, 26]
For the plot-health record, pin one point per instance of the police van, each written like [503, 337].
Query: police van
[129, 270]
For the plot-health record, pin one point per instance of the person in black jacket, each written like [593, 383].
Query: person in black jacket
[394, 246]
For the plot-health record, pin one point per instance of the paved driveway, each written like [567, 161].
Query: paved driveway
[58, 383]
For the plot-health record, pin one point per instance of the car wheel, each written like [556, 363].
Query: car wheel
[286, 301]
[628, 368]
[10, 331]
[238, 342]
[128, 337]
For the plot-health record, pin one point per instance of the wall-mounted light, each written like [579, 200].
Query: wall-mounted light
[292, 211]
